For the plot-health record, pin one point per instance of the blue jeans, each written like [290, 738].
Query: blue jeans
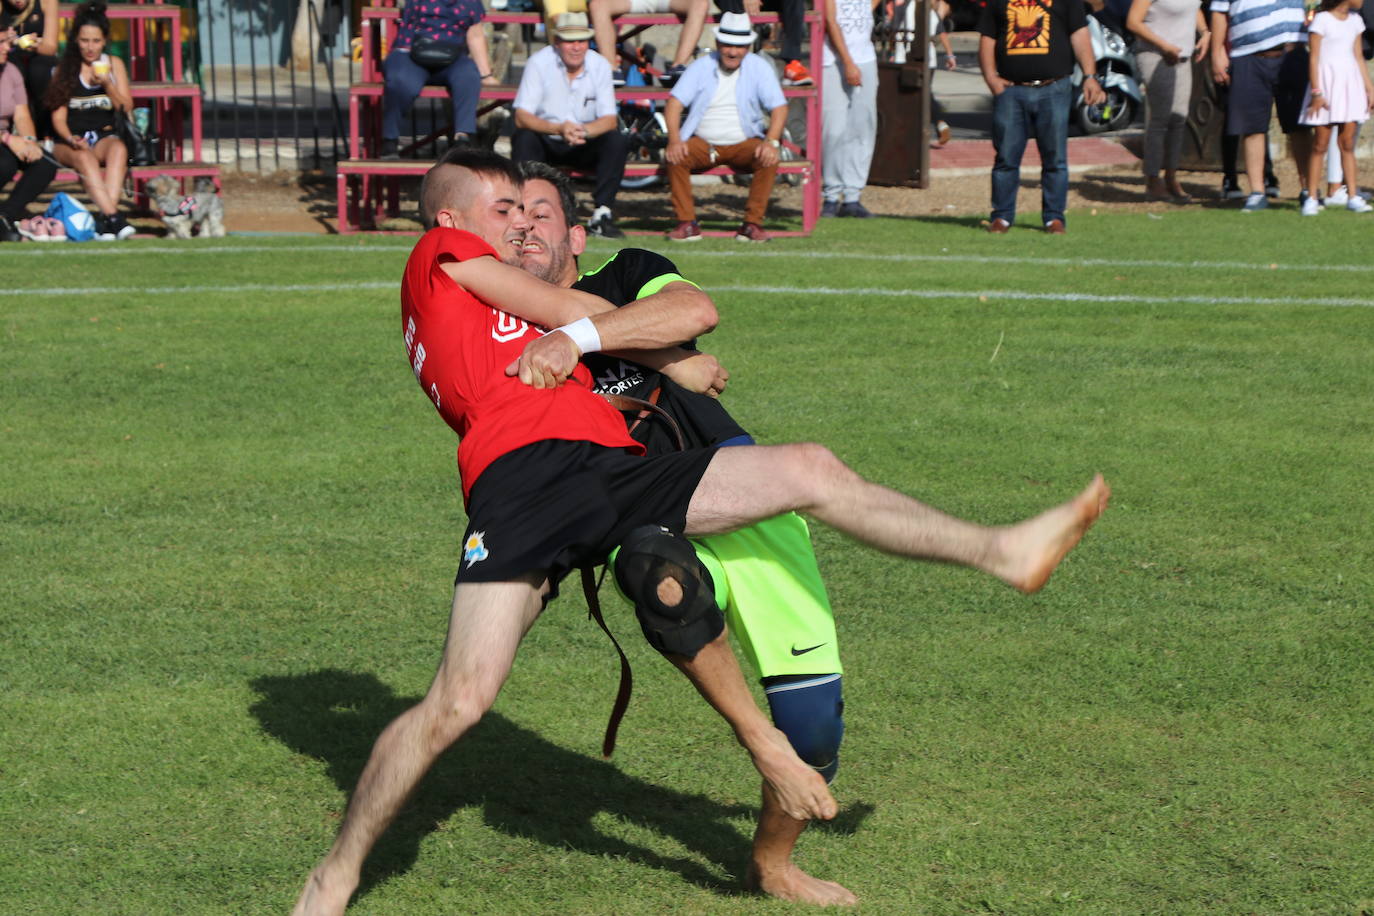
[1018, 114]
[405, 78]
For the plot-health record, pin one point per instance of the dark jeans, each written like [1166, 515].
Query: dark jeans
[405, 78]
[1019, 114]
[790, 13]
[34, 178]
[604, 155]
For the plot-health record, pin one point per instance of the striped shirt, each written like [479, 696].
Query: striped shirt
[1257, 25]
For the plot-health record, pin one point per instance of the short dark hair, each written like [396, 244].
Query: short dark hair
[532, 170]
[477, 160]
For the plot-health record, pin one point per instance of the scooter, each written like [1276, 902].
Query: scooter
[1119, 78]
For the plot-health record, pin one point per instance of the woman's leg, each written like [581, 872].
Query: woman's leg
[1178, 123]
[85, 164]
[1349, 167]
[114, 155]
[1321, 138]
[403, 80]
[464, 84]
[1158, 98]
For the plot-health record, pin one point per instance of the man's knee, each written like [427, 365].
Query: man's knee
[809, 710]
[672, 591]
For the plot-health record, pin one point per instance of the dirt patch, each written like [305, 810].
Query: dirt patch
[307, 203]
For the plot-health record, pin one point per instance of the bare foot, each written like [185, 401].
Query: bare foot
[1033, 548]
[800, 790]
[322, 898]
[791, 883]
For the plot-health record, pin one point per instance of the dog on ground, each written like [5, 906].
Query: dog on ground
[201, 211]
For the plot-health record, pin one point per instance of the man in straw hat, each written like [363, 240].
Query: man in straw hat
[565, 114]
[728, 96]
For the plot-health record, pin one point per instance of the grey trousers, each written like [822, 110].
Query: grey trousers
[849, 128]
[1167, 91]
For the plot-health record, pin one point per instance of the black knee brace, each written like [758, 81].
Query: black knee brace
[651, 554]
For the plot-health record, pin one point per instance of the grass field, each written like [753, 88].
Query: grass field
[229, 523]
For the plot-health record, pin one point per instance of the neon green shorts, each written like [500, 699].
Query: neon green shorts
[774, 600]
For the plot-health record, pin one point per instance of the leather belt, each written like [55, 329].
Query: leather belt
[1036, 84]
[1275, 52]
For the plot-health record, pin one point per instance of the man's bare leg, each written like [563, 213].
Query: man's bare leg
[771, 869]
[797, 789]
[1252, 147]
[487, 623]
[748, 483]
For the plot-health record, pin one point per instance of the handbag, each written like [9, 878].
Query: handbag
[433, 54]
[142, 147]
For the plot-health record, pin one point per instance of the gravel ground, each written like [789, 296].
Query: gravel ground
[290, 203]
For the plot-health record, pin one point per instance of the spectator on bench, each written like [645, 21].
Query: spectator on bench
[565, 114]
[87, 88]
[728, 95]
[19, 151]
[441, 43]
[792, 15]
[34, 55]
[692, 12]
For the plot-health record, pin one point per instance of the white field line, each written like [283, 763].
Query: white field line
[988, 295]
[134, 249]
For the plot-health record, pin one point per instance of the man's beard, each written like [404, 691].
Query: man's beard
[550, 270]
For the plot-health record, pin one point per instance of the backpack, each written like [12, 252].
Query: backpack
[77, 220]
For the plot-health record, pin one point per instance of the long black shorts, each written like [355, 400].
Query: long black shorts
[555, 506]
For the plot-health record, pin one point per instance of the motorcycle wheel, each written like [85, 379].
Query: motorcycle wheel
[1116, 113]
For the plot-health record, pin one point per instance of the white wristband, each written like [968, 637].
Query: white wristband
[583, 333]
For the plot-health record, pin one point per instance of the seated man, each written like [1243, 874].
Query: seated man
[791, 12]
[565, 114]
[692, 13]
[726, 95]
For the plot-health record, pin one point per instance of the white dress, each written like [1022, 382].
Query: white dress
[1338, 74]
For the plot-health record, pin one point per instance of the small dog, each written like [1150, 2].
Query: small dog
[201, 208]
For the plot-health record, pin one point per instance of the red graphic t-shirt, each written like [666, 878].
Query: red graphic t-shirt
[459, 348]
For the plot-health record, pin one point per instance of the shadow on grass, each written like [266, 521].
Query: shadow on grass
[525, 785]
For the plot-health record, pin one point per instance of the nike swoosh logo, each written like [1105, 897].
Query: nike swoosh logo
[796, 651]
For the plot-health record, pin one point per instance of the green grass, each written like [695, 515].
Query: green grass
[229, 523]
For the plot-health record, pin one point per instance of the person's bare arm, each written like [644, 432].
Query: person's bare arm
[18, 141]
[1221, 61]
[47, 42]
[1082, 44]
[987, 63]
[117, 85]
[676, 150]
[1135, 21]
[692, 369]
[480, 54]
[600, 126]
[849, 71]
[1204, 37]
[766, 154]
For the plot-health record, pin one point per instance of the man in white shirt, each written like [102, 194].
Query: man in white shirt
[565, 114]
[727, 96]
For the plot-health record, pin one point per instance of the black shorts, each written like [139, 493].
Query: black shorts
[555, 506]
[1261, 86]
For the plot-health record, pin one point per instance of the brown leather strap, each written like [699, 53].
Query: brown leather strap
[622, 698]
[645, 409]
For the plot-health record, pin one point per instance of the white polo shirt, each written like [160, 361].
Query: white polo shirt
[545, 91]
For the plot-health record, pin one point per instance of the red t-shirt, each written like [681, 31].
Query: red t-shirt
[459, 348]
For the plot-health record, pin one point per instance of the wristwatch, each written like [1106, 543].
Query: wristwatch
[776, 144]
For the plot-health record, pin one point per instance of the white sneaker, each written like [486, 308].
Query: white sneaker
[1311, 207]
[1358, 204]
[1339, 199]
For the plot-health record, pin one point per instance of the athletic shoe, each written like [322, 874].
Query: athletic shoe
[856, 210]
[942, 134]
[120, 227]
[686, 231]
[830, 208]
[390, 149]
[1055, 227]
[1311, 207]
[35, 228]
[1230, 189]
[8, 232]
[1271, 186]
[1358, 204]
[1339, 199]
[998, 226]
[752, 232]
[672, 75]
[1256, 201]
[604, 227]
[618, 76]
[795, 74]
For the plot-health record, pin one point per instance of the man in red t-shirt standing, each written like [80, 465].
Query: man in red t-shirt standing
[553, 482]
